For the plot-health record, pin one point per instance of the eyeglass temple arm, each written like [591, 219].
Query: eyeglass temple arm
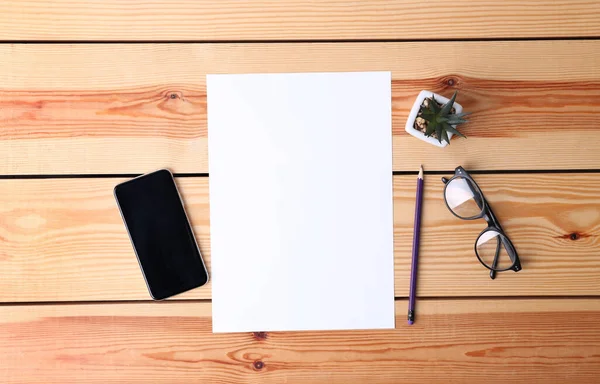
[495, 262]
[491, 218]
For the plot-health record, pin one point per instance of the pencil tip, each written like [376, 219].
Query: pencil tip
[421, 172]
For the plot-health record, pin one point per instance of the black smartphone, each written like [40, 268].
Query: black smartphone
[161, 234]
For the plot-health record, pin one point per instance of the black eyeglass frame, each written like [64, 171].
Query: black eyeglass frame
[487, 214]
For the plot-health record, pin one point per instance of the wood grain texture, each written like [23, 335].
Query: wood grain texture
[457, 341]
[63, 239]
[134, 108]
[294, 19]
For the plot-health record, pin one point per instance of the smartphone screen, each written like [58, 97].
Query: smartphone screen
[161, 234]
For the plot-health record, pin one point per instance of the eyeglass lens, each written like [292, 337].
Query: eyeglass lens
[490, 246]
[461, 199]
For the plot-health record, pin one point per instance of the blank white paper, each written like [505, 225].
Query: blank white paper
[301, 207]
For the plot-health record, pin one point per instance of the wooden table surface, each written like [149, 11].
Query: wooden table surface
[93, 92]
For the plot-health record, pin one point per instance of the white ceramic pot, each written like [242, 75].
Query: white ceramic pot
[410, 122]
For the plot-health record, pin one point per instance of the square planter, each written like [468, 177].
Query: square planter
[410, 122]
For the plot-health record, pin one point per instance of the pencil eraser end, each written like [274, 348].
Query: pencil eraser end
[410, 322]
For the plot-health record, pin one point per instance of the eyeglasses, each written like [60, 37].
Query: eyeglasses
[465, 200]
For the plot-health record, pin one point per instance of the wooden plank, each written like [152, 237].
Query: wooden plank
[63, 239]
[294, 20]
[134, 108]
[458, 341]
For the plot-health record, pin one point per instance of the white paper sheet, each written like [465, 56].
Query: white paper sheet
[301, 201]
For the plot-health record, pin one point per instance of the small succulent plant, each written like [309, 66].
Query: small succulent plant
[440, 120]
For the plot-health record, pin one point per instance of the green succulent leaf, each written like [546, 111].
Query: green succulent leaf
[454, 131]
[462, 114]
[433, 105]
[455, 120]
[445, 136]
[427, 114]
[440, 119]
[431, 126]
[448, 106]
[438, 132]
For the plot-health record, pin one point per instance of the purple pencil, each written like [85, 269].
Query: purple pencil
[415, 250]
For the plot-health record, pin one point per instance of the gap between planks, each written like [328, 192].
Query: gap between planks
[395, 173]
[209, 301]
